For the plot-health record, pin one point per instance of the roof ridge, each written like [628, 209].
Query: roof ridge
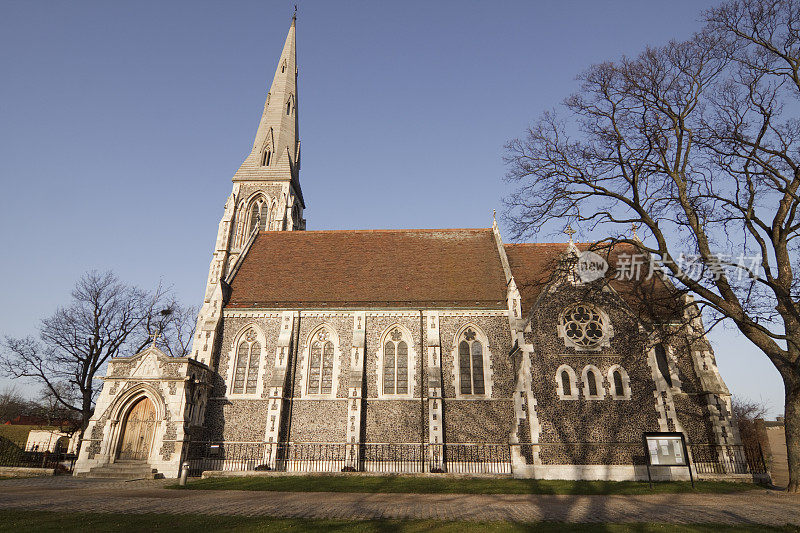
[388, 230]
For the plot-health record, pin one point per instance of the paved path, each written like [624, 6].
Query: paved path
[70, 494]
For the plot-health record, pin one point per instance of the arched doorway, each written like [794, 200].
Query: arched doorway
[137, 431]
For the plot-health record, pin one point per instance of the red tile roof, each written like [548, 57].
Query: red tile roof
[371, 268]
[533, 265]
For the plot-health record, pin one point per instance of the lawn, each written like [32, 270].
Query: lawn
[18, 434]
[448, 485]
[39, 521]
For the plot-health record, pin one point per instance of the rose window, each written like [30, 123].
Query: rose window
[584, 326]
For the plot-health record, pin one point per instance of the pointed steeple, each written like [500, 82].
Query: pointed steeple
[276, 149]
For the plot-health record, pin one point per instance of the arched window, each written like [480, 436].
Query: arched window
[619, 389]
[470, 364]
[592, 381]
[267, 157]
[663, 364]
[566, 383]
[248, 357]
[253, 218]
[619, 382]
[395, 364]
[320, 365]
[258, 215]
[289, 107]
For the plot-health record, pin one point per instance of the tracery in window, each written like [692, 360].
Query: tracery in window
[258, 215]
[320, 366]
[470, 364]
[584, 326]
[248, 357]
[395, 364]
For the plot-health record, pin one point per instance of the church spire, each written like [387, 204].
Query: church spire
[276, 149]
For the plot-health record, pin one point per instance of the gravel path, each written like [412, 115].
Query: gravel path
[70, 494]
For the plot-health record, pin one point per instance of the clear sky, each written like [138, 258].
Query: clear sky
[122, 123]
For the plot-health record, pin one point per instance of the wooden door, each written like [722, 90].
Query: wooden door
[137, 433]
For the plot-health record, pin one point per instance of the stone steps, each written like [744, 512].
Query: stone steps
[122, 470]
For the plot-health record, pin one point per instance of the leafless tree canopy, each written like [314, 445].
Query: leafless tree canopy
[696, 142]
[105, 319]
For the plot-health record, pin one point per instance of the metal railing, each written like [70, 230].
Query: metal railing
[727, 459]
[35, 456]
[399, 458]
[706, 458]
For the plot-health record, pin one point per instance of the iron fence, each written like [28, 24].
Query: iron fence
[727, 459]
[400, 458]
[461, 458]
[37, 455]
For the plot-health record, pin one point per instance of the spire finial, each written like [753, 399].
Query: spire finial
[569, 231]
[294, 17]
[494, 216]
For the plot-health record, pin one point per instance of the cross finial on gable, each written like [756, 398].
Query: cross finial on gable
[569, 231]
[633, 229]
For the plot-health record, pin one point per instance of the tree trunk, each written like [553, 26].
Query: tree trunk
[792, 425]
[86, 415]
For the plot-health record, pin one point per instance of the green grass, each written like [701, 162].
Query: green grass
[446, 485]
[41, 521]
[19, 434]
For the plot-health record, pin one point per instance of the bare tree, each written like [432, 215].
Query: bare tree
[105, 319]
[51, 408]
[691, 141]
[744, 413]
[13, 404]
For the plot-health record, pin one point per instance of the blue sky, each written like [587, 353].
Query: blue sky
[121, 124]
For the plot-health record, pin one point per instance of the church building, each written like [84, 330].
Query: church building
[402, 351]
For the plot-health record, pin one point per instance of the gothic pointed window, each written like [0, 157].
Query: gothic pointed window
[619, 389]
[245, 370]
[662, 363]
[395, 364]
[593, 388]
[620, 383]
[289, 107]
[253, 218]
[566, 383]
[320, 365]
[591, 379]
[266, 158]
[258, 216]
[470, 364]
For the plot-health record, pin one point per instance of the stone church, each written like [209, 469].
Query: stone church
[431, 350]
